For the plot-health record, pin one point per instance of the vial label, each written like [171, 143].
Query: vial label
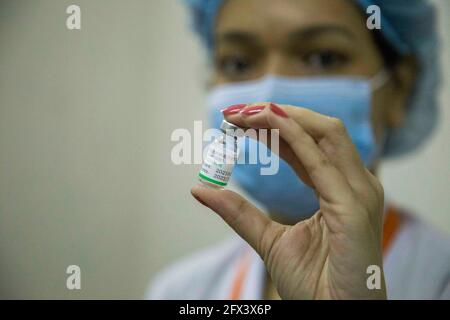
[218, 165]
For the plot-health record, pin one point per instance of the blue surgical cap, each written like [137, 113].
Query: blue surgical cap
[410, 27]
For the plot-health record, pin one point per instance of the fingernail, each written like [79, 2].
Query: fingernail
[233, 109]
[278, 111]
[253, 110]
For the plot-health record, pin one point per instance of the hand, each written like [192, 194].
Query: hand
[327, 255]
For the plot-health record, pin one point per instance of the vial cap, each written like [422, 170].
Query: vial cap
[231, 129]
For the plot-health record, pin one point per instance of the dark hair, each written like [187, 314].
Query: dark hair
[390, 55]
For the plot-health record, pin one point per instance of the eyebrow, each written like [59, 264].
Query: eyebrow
[238, 37]
[320, 30]
[304, 33]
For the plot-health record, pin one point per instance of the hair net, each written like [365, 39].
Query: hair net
[410, 27]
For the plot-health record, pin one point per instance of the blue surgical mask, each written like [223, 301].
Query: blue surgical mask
[343, 97]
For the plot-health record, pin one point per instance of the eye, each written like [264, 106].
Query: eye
[325, 60]
[233, 65]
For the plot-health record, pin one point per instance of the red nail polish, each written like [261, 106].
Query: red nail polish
[278, 111]
[253, 110]
[233, 109]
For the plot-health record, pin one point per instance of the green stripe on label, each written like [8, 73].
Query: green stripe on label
[211, 180]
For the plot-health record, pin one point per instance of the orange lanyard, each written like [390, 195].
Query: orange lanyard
[391, 225]
[241, 273]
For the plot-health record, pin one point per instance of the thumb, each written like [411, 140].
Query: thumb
[243, 217]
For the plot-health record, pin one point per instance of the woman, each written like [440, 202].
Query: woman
[343, 98]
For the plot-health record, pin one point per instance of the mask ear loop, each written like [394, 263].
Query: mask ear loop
[376, 83]
[380, 79]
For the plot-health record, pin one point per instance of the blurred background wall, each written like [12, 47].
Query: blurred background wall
[85, 170]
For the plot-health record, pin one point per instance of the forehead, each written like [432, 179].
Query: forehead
[269, 18]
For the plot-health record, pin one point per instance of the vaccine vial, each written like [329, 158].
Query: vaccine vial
[221, 157]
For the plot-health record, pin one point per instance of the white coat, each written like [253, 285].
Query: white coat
[416, 266]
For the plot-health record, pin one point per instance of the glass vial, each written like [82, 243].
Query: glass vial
[221, 157]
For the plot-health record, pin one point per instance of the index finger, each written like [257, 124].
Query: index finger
[329, 133]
